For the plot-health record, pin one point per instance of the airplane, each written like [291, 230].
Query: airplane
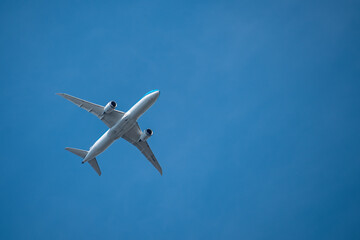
[121, 125]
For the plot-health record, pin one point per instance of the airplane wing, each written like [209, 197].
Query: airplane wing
[132, 136]
[110, 119]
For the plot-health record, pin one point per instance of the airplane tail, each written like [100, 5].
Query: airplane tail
[82, 154]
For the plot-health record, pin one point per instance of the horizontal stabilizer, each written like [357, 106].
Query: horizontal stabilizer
[82, 153]
[95, 165]
[79, 152]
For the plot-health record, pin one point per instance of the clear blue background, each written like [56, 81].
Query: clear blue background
[256, 128]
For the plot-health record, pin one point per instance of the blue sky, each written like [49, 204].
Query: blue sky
[256, 128]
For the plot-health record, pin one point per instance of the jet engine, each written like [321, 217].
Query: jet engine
[110, 107]
[146, 134]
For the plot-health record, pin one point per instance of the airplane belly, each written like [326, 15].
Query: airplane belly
[142, 106]
[120, 129]
[100, 145]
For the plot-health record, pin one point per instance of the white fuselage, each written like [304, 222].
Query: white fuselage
[122, 126]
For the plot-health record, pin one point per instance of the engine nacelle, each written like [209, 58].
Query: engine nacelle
[110, 107]
[146, 134]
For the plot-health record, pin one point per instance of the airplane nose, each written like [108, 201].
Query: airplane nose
[156, 94]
